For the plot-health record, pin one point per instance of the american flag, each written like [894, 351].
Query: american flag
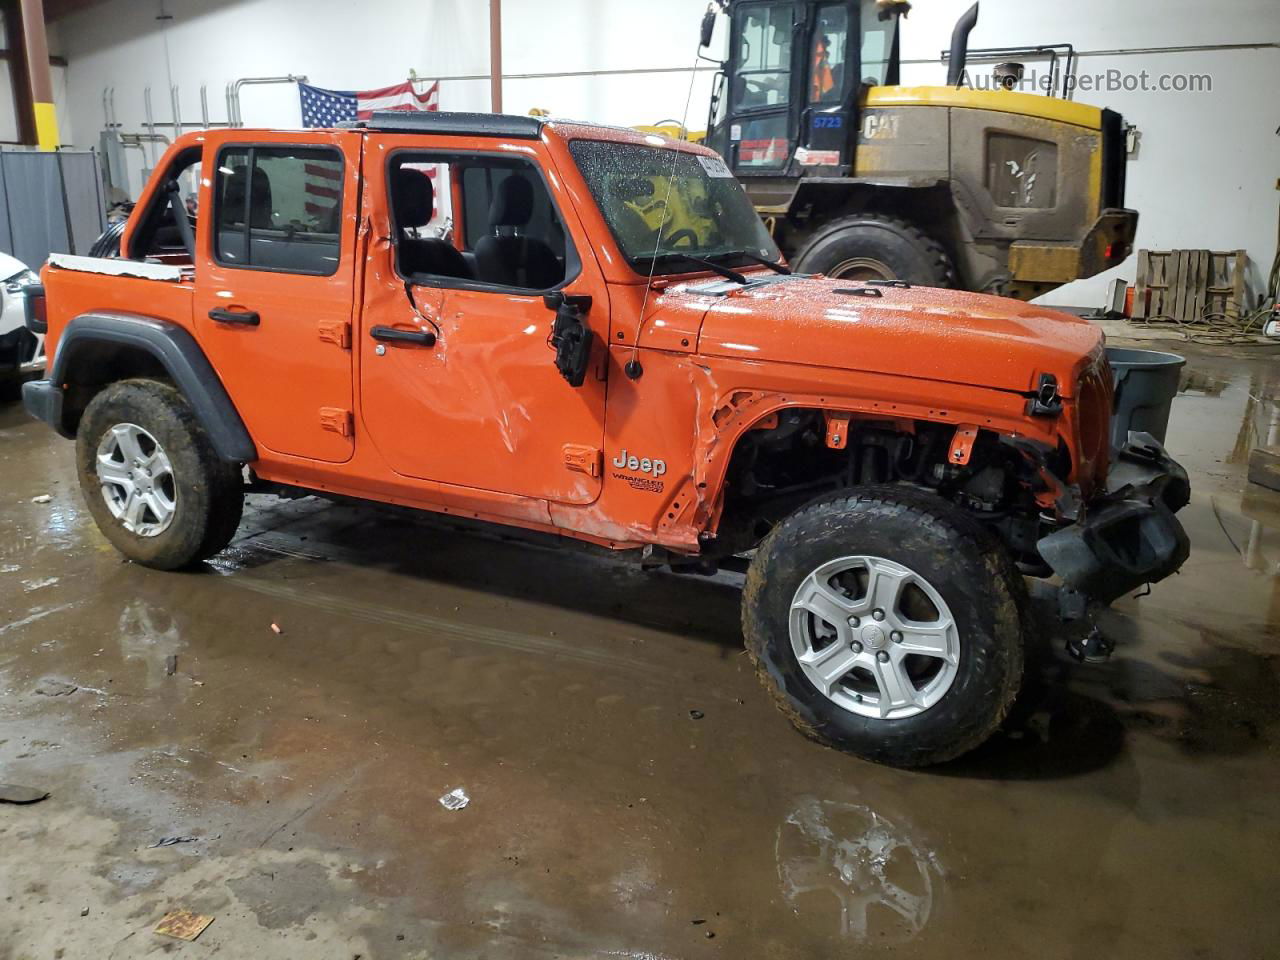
[327, 108]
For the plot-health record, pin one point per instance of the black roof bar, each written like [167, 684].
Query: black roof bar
[454, 124]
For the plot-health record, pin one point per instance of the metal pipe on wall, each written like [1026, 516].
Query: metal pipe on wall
[495, 55]
[175, 101]
[234, 118]
[151, 126]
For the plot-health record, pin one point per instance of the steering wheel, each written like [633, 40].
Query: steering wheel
[758, 91]
[676, 236]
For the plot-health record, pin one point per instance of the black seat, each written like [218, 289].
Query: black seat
[412, 197]
[513, 259]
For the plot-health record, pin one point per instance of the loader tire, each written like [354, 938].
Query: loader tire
[871, 246]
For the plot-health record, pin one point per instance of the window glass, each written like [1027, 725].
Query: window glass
[827, 59]
[764, 143]
[159, 237]
[504, 234]
[705, 212]
[279, 208]
[764, 56]
[877, 44]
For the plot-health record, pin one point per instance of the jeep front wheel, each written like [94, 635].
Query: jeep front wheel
[887, 623]
[151, 478]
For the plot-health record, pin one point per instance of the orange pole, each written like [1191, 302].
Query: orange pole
[495, 55]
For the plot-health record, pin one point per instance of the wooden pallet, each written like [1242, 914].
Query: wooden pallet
[1185, 286]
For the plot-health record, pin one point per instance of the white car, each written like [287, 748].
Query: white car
[21, 351]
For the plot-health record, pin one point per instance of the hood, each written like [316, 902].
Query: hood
[10, 267]
[921, 332]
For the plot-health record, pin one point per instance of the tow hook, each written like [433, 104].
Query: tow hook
[1045, 402]
[1092, 647]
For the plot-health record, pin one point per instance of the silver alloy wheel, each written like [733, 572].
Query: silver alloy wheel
[861, 269]
[137, 480]
[874, 637]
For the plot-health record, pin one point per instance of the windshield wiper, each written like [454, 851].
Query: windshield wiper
[756, 258]
[724, 271]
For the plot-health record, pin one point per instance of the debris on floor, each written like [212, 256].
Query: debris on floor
[13, 793]
[183, 924]
[275, 628]
[455, 799]
[53, 687]
[170, 841]
[696, 714]
[170, 665]
[43, 498]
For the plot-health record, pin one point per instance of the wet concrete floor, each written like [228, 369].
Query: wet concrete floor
[1134, 816]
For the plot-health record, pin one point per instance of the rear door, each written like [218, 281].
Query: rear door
[275, 293]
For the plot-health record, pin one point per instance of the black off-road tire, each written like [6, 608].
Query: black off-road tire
[906, 251]
[966, 565]
[209, 491]
[108, 242]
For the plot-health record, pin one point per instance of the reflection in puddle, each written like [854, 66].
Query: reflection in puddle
[846, 859]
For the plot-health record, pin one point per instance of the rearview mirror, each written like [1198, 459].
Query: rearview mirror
[708, 27]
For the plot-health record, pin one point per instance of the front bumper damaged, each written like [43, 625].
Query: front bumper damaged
[1130, 536]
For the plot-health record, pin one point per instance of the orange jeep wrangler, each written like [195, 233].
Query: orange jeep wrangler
[588, 332]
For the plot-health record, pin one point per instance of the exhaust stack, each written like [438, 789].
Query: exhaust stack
[960, 46]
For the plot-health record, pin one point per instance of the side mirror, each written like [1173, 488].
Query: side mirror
[570, 337]
[708, 27]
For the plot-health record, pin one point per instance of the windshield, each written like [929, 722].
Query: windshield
[705, 214]
[878, 51]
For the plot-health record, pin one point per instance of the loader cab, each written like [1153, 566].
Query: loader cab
[787, 97]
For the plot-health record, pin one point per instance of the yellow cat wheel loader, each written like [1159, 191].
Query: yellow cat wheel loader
[861, 178]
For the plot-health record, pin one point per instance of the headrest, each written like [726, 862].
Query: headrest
[513, 203]
[233, 197]
[412, 196]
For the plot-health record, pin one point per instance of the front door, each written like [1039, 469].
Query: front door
[828, 121]
[274, 294]
[457, 380]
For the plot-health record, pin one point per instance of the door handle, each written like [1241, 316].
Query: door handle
[419, 338]
[247, 318]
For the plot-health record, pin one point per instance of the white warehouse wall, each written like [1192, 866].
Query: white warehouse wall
[1205, 175]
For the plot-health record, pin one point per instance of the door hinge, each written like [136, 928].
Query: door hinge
[582, 459]
[336, 420]
[336, 331]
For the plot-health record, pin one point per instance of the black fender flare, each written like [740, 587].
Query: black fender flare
[177, 351]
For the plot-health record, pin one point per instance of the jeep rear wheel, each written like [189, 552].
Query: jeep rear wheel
[151, 478]
[873, 247]
[887, 623]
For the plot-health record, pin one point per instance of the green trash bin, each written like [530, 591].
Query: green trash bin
[1146, 381]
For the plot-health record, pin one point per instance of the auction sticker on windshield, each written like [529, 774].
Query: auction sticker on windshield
[714, 166]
